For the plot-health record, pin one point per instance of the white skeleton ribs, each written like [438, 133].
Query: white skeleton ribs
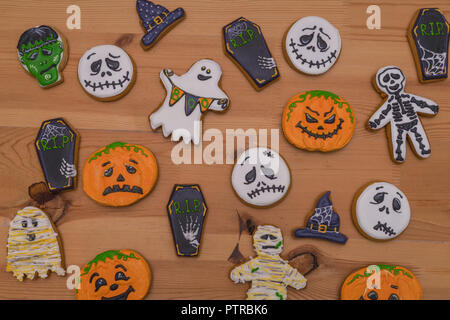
[400, 111]
[67, 169]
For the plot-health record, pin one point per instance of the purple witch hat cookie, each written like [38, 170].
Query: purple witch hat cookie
[156, 21]
[323, 223]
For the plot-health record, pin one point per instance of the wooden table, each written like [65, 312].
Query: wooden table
[87, 228]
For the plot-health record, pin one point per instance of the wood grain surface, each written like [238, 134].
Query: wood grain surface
[87, 228]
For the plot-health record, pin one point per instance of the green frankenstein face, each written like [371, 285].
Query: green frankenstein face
[40, 51]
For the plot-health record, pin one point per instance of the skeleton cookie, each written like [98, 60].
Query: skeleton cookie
[268, 272]
[313, 45]
[261, 177]
[106, 72]
[400, 110]
[381, 211]
[188, 97]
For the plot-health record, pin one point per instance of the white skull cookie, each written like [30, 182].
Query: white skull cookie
[261, 177]
[381, 211]
[313, 45]
[106, 72]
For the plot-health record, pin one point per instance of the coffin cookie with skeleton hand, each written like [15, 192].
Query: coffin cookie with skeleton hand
[312, 45]
[106, 72]
[381, 211]
[428, 37]
[400, 111]
[261, 177]
[188, 98]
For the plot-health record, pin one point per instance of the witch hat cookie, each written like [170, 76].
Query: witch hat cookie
[323, 223]
[156, 21]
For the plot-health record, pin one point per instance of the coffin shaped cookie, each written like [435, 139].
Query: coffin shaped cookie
[56, 145]
[428, 36]
[245, 44]
[187, 211]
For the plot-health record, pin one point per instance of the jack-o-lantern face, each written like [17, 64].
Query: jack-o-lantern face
[318, 120]
[115, 275]
[381, 282]
[120, 174]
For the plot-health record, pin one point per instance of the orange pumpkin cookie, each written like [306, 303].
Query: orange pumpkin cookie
[120, 174]
[115, 275]
[381, 282]
[318, 121]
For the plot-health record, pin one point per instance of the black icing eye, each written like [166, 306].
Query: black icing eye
[330, 119]
[306, 38]
[99, 283]
[203, 68]
[372, 295]
[121, 276]
[395, 76]
[310, 119]
[34, 223]
[46, 52]
[386, 78]
[95, 66]
[272, 237]
[250, 176]
[268, 173]
[321, 44]
[378, 198]
[112, 64]
[33, 56]
[393, 297]
[265, 236]
[208, 71]
[24, 224]
[108, 172]
[396, 205]
[131, 169]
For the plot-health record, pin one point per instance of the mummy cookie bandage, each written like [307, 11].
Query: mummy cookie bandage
[43, 53]
[261, 177]
[33, 245]
[400, 110]
[313, 45]
[268, 272]
[106, 72]
[381, 211]
[188, 97]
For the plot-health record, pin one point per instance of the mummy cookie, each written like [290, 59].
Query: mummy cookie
[106, 72]
[318, 121]
[57, 148]
[400, 111]
[188, 97]
[33, 245]
[246, 46]
[312, 45]
[43, 53]
[120, 174]
[381, 211]
[115, 275]
[269, 273]
[261, 177]
[156, 21]
[428, 36]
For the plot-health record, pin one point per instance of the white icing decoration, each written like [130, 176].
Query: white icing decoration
[261, 177]
[400, 110]
[382, 211]
[313, 45]
[105, 71]
[201, 81]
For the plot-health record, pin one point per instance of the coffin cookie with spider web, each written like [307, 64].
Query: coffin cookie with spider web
[187, 212]
[428, 37]
[57, 148]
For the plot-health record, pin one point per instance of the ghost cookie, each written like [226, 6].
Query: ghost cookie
[43, 53]
[428, 36]
[106, 72]
[33, 245]
[312, 45]
[261, 177]
[120, 174]
[188, 97]
[400, 112]
[318, 121]
[381, 211]
[246, 46]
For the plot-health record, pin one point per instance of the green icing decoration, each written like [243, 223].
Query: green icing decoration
[255, 269]
[278, 244]
[112, 146]
[279, 295]
[108, 254]
[317, 94]
[391, 269]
